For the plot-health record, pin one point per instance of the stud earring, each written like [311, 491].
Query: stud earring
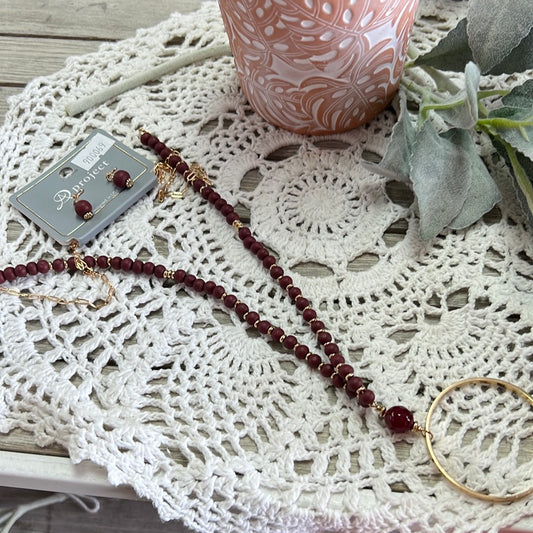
[120, 178]
[83, 208]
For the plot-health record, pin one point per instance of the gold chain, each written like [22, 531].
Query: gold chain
[86, 270]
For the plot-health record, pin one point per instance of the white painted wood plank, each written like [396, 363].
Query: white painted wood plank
[104, 20]
[58, 474]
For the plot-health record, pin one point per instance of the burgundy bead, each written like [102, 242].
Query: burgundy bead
[83, 209]
[276, 334]
[268, 261]
[71, 262]
[220, 203]
[324, 337]
[301, 303]
[263, 326]
[244, 232]
[101, 261]
[32, 268]
[116, 262]
[137, 266]
[159, 271]
[230, 300]
[58, 265]
[241, 309]
[313, 360]
[285, 281]
[353, 384]
[198, 285]
[182, 167]
[293, 292]
[309, 314]
[43, 266]
[179, 275]
[331, 348]
[152, 141]
[126, 264]
[9, 274]
[122, 179]
[148, 268]
[226, 209]
[337, 380]
[326, 370]
[145, 137]
[248, 242]
[344, 369]
[90, 261]
[301, 351]
[256, 246]
[21, 271]
[197, 185]
[189, 280]
[173, 160]
[336, 359]
[165, 152]
[252, 317]
[290, 341]
[276, 272]
[399, 419]
[262, 253]
[209, 286]
[317, 325]
[2, 278]
[213, 197]
[206, 191]
[232, 217]
[366, 398]
[218, 291]
[159, 147]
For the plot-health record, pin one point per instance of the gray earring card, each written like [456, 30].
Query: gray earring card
[49, 199]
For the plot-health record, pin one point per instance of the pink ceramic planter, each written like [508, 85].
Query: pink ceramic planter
[318, 67]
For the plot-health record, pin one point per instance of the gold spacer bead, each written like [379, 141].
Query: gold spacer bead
[270, 330]
[282, 338]
[237, 224]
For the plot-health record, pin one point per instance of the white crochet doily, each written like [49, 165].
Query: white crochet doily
[208, 420]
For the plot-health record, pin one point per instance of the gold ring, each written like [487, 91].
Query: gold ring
[463, 488]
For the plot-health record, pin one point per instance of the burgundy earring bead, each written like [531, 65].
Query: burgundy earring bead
[83, 209]
[121, 178]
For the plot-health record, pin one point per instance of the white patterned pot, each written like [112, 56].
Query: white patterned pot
[318, 67]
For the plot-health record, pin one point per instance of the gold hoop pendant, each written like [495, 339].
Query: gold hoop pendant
[463, 488]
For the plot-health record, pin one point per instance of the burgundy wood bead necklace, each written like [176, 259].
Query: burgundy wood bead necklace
[398, 419]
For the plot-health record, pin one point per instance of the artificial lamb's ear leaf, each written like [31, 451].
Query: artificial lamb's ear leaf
[441, 176]
[520, 136]
[396, 161]
[495, 28]
[519, 60]
[461, 110]
[451, 53]
[521, 168]
[520, 97]
[483, 194]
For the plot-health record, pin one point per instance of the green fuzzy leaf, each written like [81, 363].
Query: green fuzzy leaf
[483, 194]
[495, 28]
[395, 162]
[519, 59]
[520, 97]
[521, 168]
[461, 110]
[441, 176]
[519, 136]
[451, 53]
